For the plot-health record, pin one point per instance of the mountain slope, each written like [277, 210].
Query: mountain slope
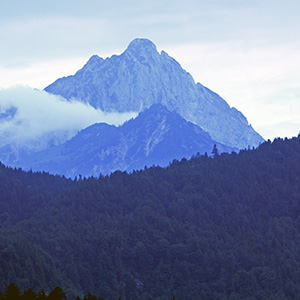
[141, 77]
[223, 228]
[156, 136]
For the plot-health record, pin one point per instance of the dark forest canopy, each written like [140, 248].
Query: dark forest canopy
[12, 292]
[206, 228]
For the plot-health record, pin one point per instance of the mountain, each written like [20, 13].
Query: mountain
[156, 136]
[141, 77]
[205, 228]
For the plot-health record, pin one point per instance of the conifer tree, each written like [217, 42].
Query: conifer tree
[29, 295]
[12, 292]
[215, 151]
[57, 294]
[41, 295]
[1, 296]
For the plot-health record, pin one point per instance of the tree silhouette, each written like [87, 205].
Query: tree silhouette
[57, 294]
[29, 295]
[215, 151]
[41, 295]
[89, 296]
[12, 292]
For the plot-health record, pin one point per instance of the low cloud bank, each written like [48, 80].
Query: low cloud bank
[35, 119]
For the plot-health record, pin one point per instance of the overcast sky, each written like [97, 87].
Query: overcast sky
[246, 51]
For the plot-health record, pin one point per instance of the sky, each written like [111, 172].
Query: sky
[248, 52]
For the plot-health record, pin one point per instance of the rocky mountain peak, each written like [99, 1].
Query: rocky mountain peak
[141, 77]
[94, 59]
[93, 63]
[142, 48]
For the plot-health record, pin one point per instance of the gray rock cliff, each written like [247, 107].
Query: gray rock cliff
[141, 77]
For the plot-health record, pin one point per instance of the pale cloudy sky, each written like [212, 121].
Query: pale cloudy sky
[246, 51]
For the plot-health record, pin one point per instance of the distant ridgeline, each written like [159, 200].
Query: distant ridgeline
[141, 77]
[12, 292]
[206, 228]
[176, 118]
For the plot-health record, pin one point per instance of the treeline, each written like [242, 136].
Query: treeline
[12, 292]
[206, 228]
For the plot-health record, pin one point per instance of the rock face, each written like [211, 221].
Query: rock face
[156, 136]
[141, 77]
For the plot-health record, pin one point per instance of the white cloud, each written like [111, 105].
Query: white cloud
[246, 51]
[38, 117]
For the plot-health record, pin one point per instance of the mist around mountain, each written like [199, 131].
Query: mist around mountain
[206, 228]
[32, 120]
[156, 137]
[58, 131]
[141, 77]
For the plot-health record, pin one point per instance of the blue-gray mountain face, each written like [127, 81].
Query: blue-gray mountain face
[156, 136]
[177, 119]
[141, 77]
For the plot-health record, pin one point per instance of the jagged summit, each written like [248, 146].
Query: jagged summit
[141, 77]
[94, 59]
[92, 64]
[142, 47]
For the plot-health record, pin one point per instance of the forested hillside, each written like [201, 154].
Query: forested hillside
[207, 228]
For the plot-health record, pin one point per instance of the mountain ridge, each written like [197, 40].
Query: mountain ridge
[140, 77]
[155, 137]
